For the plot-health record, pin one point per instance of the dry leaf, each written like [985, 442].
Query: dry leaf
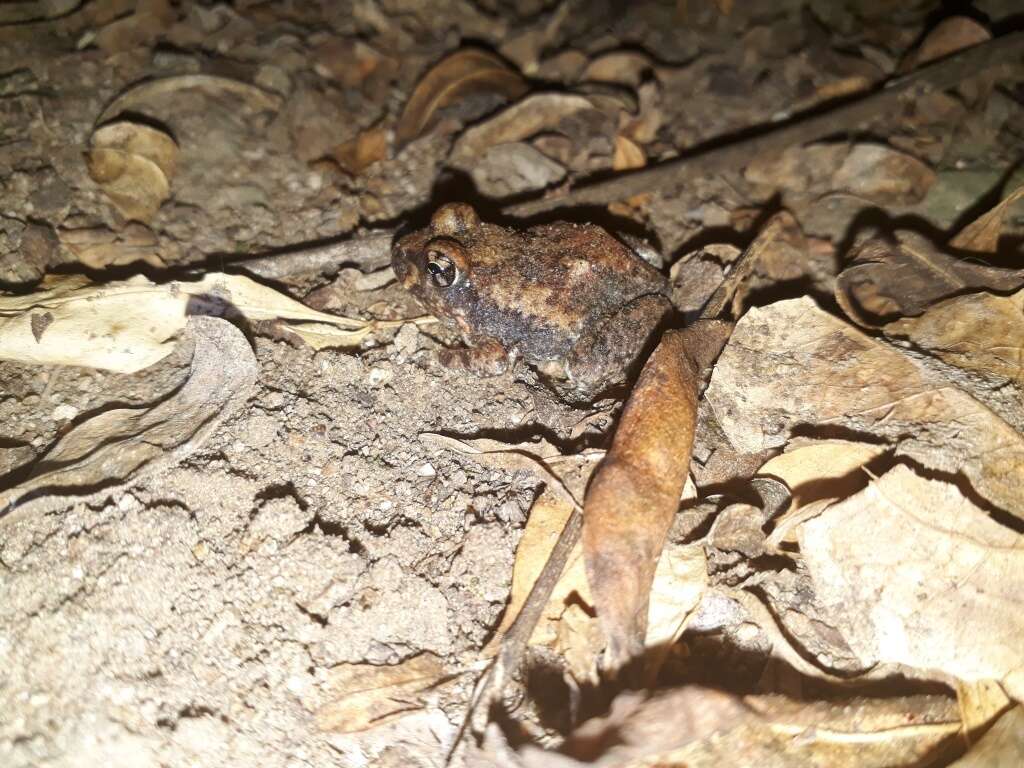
[1001, 747]
[791, 364]
[149, 20]
[121, 445]
[913, 573]
[463, 73]
[887, 280]
[819, 469]
[99, 247]
[874, 171]
[133, 163]
[699, 727]
[635, 494]
[623, 67]
[362, 696]
[364, 150]
[976, 332]
[534, 114]
[883, 175]
[982, 235]
[128, 325]
[949, 36]
[140, 97]
[981, 702]
[627, 155]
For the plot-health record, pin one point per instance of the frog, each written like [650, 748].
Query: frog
[569, 299]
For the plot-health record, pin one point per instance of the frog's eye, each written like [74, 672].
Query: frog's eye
[442, 269]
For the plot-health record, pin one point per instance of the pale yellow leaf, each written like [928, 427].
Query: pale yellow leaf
[911, 572]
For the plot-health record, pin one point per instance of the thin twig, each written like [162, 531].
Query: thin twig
[369, 252]
[799, 130]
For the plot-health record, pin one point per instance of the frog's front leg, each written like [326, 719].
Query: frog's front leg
[485, 357]
[608, 350]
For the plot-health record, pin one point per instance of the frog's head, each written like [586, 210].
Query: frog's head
[433, 263]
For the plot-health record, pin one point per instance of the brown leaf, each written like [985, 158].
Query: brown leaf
[911, 572]
[791, 364]
[888, 280]
[133, 163]
[883, 175]
[463, 73]
[535, 114]
[976, 332]
[982, 235]
[635, 493]
[362, 696]
[949, 36]
[122, 445]
[364, 150]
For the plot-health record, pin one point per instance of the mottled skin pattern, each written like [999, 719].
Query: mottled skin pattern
[570, 299]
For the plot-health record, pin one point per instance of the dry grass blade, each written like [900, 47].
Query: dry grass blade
[463, 73]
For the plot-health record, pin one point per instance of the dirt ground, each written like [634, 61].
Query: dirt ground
[191, 618]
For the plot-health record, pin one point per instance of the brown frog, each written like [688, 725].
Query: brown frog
[570, 299]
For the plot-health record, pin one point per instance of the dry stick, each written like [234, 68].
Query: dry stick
[368, 252]
[933, 77]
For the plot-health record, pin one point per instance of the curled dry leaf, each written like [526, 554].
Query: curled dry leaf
[133, 163]
[142, 96]
[121, 445]
[635, 494]
[129, 324]
[534, 114]
[791, 364]
[464, 73]
[913, 573]
[362, 696]
[887, 280]
[364, 150]
[818, 469]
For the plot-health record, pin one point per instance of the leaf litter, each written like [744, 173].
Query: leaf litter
[895, 431]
